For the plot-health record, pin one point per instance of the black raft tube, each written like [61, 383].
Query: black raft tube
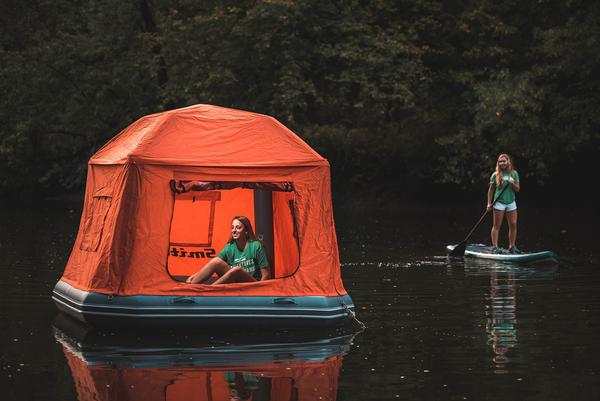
[263, 215]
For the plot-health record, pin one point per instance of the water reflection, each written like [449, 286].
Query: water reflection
[501, 317]
[501, 304]
[176, 367]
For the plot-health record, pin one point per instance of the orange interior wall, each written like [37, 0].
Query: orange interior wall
[201, 226]
[286, 243]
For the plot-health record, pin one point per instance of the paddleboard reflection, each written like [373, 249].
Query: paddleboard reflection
[501, 305]
[291, 366]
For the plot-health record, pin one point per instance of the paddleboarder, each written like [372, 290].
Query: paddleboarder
[506, 205]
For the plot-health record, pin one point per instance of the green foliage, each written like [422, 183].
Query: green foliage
[538, 101]
[69, 84]
[393, 93]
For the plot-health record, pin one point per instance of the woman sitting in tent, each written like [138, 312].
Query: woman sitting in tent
[241, 260]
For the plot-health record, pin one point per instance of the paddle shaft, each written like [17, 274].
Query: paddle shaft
[485, 213]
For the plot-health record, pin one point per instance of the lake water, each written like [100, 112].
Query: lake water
[436, 329]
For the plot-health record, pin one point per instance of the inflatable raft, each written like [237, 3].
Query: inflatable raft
[482, 251]
[159, 202]
[202, 311]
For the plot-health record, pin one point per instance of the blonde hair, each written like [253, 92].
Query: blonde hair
[509, 169]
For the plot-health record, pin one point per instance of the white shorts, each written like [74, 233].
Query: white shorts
[506, 207]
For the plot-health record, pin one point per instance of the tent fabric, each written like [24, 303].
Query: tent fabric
[228, 138]
[123, 240]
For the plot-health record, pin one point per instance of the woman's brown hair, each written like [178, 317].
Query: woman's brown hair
[247, 227]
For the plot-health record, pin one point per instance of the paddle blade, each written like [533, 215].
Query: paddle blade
[459, 250]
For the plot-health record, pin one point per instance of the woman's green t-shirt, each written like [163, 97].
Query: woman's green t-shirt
[252, 258]
[509, 194]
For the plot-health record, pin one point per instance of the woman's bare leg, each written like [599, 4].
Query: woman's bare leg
[215, 265]
[498, 217]
[235, 275]
[512, 228]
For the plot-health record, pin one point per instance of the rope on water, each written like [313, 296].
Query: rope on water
[352, 315]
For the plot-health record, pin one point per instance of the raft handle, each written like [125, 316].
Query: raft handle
[284, 301]
[183, 300]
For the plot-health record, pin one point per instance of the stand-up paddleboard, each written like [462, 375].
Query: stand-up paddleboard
[485, 252]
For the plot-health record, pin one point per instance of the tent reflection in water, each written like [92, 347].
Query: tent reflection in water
[294, 371]
[138, 239]
[277, 382]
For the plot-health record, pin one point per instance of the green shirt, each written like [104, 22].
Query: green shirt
[251, 259]
[509, 194]
[247, 377]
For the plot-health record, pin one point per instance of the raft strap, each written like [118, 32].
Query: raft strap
[352, 315]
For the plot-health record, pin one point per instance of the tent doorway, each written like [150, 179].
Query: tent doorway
[201, 224]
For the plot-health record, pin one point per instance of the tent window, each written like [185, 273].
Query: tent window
[94, 223]
[201, 223]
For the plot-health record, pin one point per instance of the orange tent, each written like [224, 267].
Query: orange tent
[138, 237]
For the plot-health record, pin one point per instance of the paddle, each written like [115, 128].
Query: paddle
[459, 250]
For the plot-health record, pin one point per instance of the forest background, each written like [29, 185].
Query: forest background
[405, 98]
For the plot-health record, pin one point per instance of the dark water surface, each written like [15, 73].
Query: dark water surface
[436, 330]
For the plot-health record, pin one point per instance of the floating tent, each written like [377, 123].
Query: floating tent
[138, 237]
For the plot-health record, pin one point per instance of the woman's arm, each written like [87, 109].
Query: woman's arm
[236, 274]
[490, 194]
[513, 183]
[516, 185]
[262, 261]
[215, 265]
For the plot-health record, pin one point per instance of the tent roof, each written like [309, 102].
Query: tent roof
[205, 135]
